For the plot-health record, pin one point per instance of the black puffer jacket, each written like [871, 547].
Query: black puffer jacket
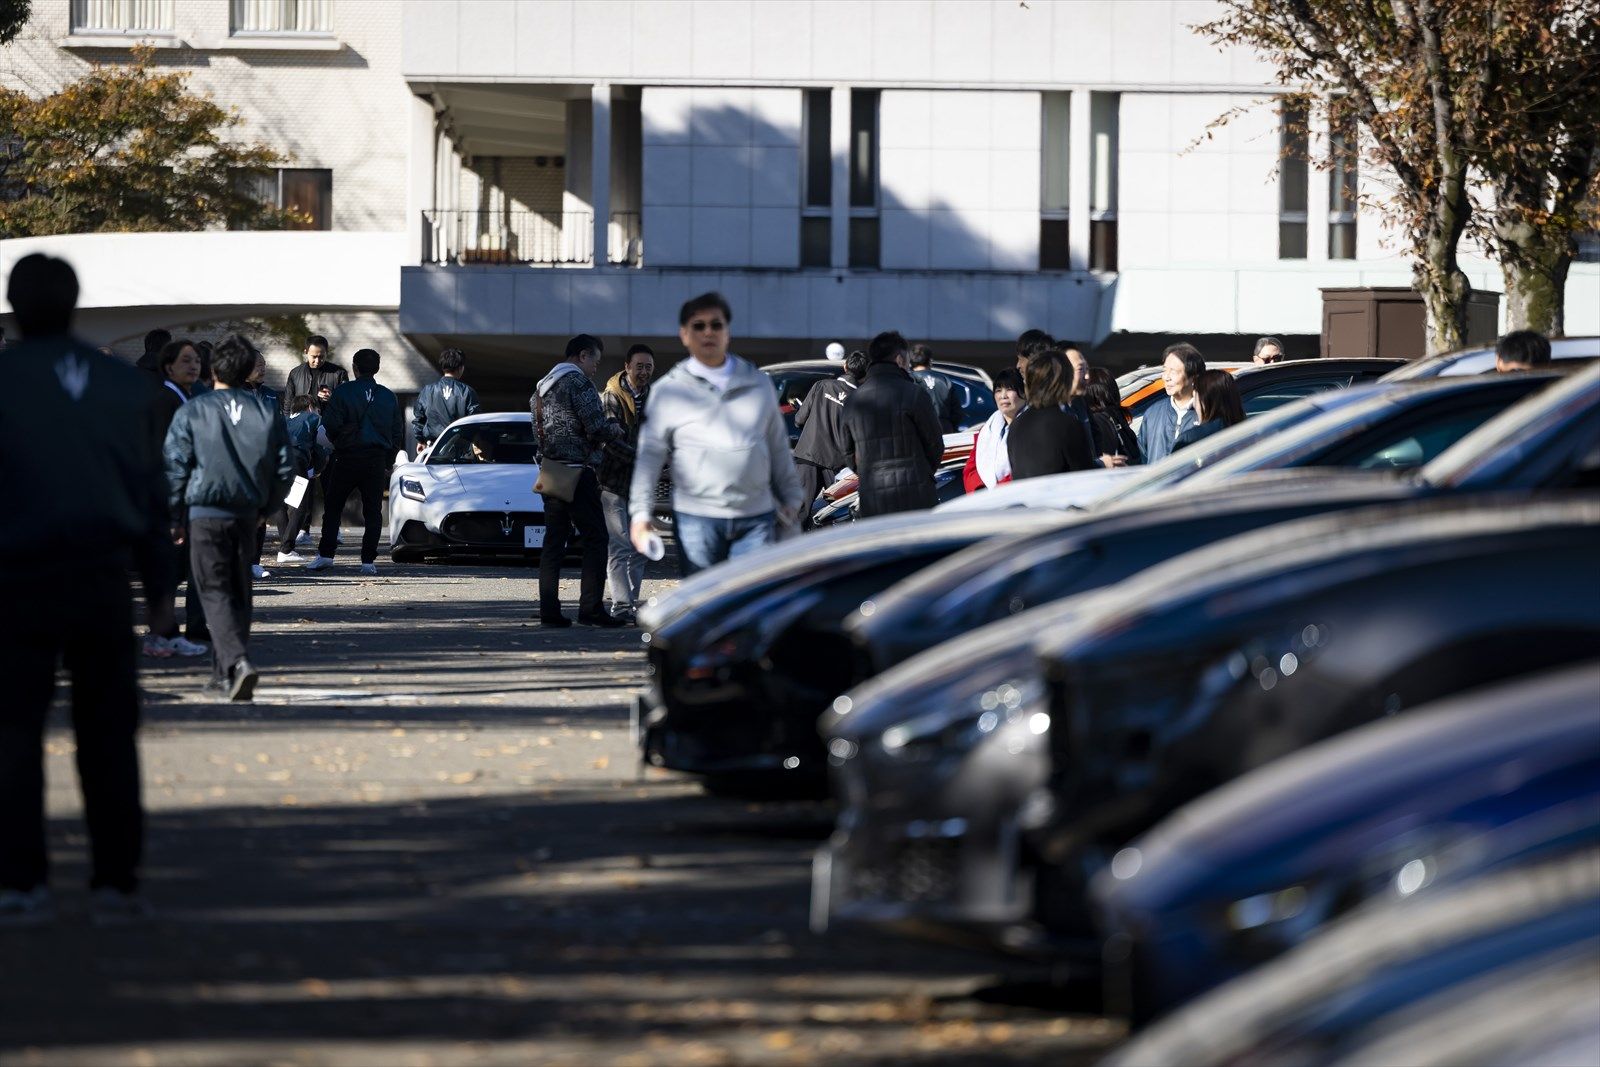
[821, 422]
[892, 433]
[303, 381]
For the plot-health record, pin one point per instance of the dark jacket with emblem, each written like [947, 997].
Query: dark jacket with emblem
[228, 450]
[439, 404]
[892, 433]
[84, 474]
[363, 416]
[821, 423]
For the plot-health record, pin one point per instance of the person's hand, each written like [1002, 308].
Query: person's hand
[639, 532]
[1113, 461]
[324, 393]
[179, 533]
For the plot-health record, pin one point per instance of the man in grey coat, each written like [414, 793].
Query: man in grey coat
[715, 417]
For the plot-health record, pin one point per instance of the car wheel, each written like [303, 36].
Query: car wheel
[766, 786]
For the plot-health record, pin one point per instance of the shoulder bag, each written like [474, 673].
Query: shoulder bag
[556, 478]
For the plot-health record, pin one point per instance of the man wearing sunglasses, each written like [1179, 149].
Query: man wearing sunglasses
[715, 418]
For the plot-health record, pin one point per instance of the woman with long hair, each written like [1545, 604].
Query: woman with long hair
[1046, 438]
[1217, 406]
[1113, 431]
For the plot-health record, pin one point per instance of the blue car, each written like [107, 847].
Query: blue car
[1394, 967]
[1403, 806]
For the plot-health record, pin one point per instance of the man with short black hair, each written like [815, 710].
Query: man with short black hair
[819, 455]
[442, 402]
[317, 377]
[891, 432]
[228, 462]
[1521, 350]
[571, 427]
[75, 412]
[715, 418]
[154, 342]
[1268, 350]
[945, 401]
[1029, 343]
[623, 399]
[364, 422]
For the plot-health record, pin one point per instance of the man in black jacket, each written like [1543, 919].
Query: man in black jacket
[945, 401]
[228, 462]
[819, 454]
[317, 377]
[892, 433]
[363, 421]
[86, 505]
[442, 402]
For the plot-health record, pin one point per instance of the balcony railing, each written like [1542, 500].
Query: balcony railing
[531, 237]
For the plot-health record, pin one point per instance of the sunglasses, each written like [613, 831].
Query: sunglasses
[715, 326]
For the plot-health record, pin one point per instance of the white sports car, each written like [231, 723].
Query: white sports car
[470, 494]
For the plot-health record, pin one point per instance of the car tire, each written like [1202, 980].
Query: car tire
[757, 785]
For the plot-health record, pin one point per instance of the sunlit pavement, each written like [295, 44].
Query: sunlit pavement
[427, 842]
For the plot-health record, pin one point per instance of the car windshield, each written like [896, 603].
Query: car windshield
[485, 442]
[1214, 449]
[1493, 451]
[1449, 364]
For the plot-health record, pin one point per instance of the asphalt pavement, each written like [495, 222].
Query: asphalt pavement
[428, 842]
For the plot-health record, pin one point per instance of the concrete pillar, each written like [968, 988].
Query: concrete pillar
[839, 110]
[1080, 180]
[421, 168]
[600, 169]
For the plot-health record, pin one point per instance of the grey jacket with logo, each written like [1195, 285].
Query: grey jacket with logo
[729, 450]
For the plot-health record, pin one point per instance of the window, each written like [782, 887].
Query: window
[1054, 195]
[816, 214]
[1342, 148]
[864, 241]
[1103, 117]
[282, 16]
[1292, 183]
[306, 192]
[122, 16]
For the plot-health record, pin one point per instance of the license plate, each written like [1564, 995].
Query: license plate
[533, 537]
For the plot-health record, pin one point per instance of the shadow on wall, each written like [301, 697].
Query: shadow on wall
[731, 193]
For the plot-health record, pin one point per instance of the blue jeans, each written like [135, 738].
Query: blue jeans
[704, 542]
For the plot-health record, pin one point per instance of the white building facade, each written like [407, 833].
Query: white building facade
[959, 170]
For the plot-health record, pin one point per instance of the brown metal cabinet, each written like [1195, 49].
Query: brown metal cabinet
[1390, 321]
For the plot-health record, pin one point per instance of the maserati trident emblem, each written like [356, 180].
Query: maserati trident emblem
[448, 392]
[235, 411]
[506, 524]
[74, 375]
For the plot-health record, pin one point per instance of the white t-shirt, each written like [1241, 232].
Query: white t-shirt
[721, 377]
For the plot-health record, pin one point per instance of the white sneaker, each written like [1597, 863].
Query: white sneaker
[112, 907]
[321, 563]
[259, 571]
[369, 568]
[290, 557]
[159, 647]
[31, 907]
[182, 646]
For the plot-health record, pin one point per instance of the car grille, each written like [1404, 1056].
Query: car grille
[915, 872]
[497, 528]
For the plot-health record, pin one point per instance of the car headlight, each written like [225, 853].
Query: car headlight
[746, 634]
[411, 488]
[942, 719]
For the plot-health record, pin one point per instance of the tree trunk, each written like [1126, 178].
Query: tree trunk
[1444, 288]
[1535, 268]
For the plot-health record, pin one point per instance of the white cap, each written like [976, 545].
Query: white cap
[835, 352]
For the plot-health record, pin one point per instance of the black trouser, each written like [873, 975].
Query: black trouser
[86, 622]
[365, 472]
[220, 554]
[813, 480]
[297, 519]
[560, 518]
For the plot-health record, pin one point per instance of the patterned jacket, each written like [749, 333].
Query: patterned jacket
[574, 427]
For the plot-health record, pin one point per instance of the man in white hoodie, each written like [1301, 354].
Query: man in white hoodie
[715, 417]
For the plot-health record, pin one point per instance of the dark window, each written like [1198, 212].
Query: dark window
[864, 148]
[1342, 145]
[819, 148]
[1292, 183]
[1054, 253]
[864, 241]
[306, 192]
[816, 241]
[1103, 244]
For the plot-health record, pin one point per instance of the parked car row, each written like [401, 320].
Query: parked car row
[1329, 674]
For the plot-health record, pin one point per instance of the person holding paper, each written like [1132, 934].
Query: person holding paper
[311, 449]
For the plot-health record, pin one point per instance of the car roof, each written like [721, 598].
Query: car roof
[494, 416]
[1294, 368]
